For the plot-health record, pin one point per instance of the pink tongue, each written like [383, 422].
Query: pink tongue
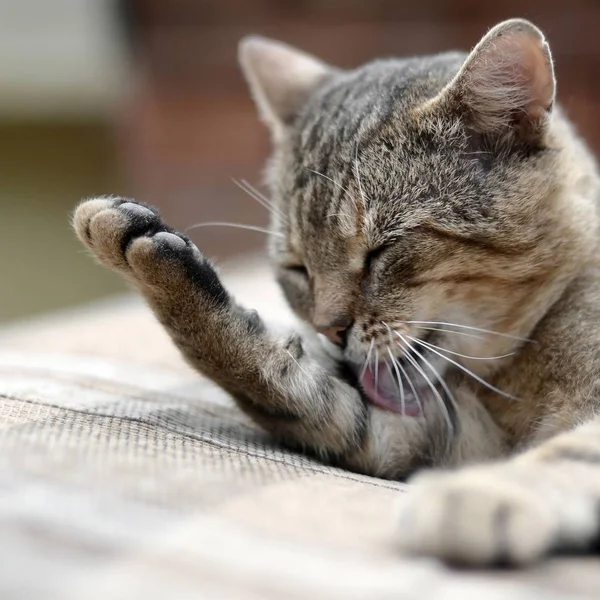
[383, 391]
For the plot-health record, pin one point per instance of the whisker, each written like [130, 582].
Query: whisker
[469, 356]
[236, 225]
[258, 193]
[262, 200]
[475, 152]
[357, 174]
[442, 383]
[411, 384]
[298, 364]
[399, 379]
[376, 371]
[367, 360]
[463, 368]
[245, 187]
[260, 197]
[472, 328]
[242, 185]
[329, 179]
[406, 375]
[463, 333]
[438, 397]
[433, 370]
[339, 185]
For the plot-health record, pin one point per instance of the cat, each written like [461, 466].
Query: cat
[434, 225]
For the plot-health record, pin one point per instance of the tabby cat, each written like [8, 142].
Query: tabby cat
[434, 223]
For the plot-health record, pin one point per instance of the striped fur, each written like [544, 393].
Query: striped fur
[411, 192]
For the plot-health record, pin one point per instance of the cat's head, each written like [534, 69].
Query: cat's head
[412, 193]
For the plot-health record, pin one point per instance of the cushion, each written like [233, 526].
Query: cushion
[125, 474]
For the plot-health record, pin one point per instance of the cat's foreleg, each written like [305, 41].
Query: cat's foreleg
[544, 500]
[274, 380]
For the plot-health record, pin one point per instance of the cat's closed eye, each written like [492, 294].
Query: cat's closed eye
[300, 270]
[373, 255]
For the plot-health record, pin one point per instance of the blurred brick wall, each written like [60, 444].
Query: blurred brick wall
[189, 124]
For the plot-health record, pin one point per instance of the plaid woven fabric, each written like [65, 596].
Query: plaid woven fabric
[123, 474]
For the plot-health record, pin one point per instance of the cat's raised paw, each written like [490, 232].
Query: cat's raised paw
[131, 238]
[108, 226]
[476, 517]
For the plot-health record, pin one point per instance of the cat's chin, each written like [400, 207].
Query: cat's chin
[381, 389]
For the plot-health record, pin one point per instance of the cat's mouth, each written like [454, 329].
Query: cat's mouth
[389, 390]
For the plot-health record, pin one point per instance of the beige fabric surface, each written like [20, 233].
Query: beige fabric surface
[124, 474]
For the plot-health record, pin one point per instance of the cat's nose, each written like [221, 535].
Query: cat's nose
[335, 330]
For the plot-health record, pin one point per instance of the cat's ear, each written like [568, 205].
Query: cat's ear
[507, 82]
[281, 78]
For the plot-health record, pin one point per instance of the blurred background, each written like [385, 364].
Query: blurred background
[144, 98]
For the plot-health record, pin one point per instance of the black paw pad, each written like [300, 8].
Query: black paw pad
[142, 221]
[177, 249]
[130, 204]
